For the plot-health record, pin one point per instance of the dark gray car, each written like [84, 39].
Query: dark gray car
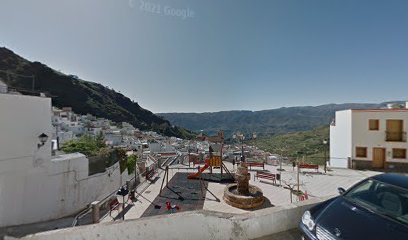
[375, 208]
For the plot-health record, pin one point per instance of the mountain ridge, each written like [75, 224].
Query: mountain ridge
[265, 122]
[83, 96]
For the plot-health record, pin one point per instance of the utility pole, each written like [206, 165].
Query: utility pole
[325, 144]
[33, 83]
[298, 174]
[242, 148]
[135, 170]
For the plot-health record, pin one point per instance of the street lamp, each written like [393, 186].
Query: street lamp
[325, 144]
[242, 138]
[43, 139]
[123, 192]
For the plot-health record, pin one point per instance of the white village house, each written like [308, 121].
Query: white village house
[34, 185]
[370, 139]
[3, 87]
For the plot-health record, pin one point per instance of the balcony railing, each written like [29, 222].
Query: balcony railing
[23, 91]
[392, 136]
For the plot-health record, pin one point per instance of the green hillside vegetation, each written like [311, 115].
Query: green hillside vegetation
[83, 96]
[296, 145]
[266, 122]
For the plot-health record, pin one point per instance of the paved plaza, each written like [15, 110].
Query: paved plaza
[316, 184]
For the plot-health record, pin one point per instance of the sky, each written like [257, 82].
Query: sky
[215, 55]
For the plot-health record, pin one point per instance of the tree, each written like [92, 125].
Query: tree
[100, 140]
[85, 145]
[131, 163]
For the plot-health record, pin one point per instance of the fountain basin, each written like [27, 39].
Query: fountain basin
[253, 199]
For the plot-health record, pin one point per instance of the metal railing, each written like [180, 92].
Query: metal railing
[395, 136]
[23, 91]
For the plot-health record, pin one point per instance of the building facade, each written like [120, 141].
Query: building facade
[34, 185]
[370, 139]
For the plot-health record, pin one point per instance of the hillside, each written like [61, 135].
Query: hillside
[267, 122]
[83, 96]
[299, 144]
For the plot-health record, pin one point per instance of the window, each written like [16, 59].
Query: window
[361, 152]
[399, 153]
[394, 132]
[373, 194]
[373, 124]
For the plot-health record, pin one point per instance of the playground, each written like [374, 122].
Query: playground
[209, 182]
[179, 188]
[181, 193]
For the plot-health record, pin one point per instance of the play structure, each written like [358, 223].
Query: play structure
[210, 163]
[214, 159]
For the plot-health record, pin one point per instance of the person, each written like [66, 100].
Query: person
[233, 162]
[132, 196]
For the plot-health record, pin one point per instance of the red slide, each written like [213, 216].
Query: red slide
[195, 175]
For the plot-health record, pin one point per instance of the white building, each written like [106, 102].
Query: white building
[3, 87]
[34, 186]
[75, 127]
[113, 138]
[365, 139]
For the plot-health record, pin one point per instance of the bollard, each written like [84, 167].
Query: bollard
[95, 212]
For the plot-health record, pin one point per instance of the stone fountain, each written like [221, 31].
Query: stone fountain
[242, 194]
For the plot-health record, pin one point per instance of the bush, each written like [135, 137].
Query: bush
[131, 163]
[86, 145]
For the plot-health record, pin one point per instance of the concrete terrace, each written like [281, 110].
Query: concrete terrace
[318, 185]
[315, 184]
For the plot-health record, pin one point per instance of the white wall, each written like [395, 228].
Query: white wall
[155, 147]
[22, 120]
[191, 225]
[34, 187]
[340, 140]
[113, 138]
[3, 87]
[352, 130]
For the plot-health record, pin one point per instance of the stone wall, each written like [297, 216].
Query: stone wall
[388, 166]
[191, 225]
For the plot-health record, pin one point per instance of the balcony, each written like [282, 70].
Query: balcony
[395, 136]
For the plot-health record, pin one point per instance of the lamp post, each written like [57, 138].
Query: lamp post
[242, 138]
[123, 192]
[43, 139]
[298, 170]
[325, 144]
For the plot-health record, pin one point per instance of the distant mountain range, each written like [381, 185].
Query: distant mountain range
[266, 122]
[83, 96]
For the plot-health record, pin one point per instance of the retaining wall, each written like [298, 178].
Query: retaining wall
[191, 225]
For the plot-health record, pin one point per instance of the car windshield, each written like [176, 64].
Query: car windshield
[381, 198]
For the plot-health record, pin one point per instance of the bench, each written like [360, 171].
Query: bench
[268, 176]
[149, 174]
[255, 164]
[197, 162]
[113, 205]
[309, 166]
